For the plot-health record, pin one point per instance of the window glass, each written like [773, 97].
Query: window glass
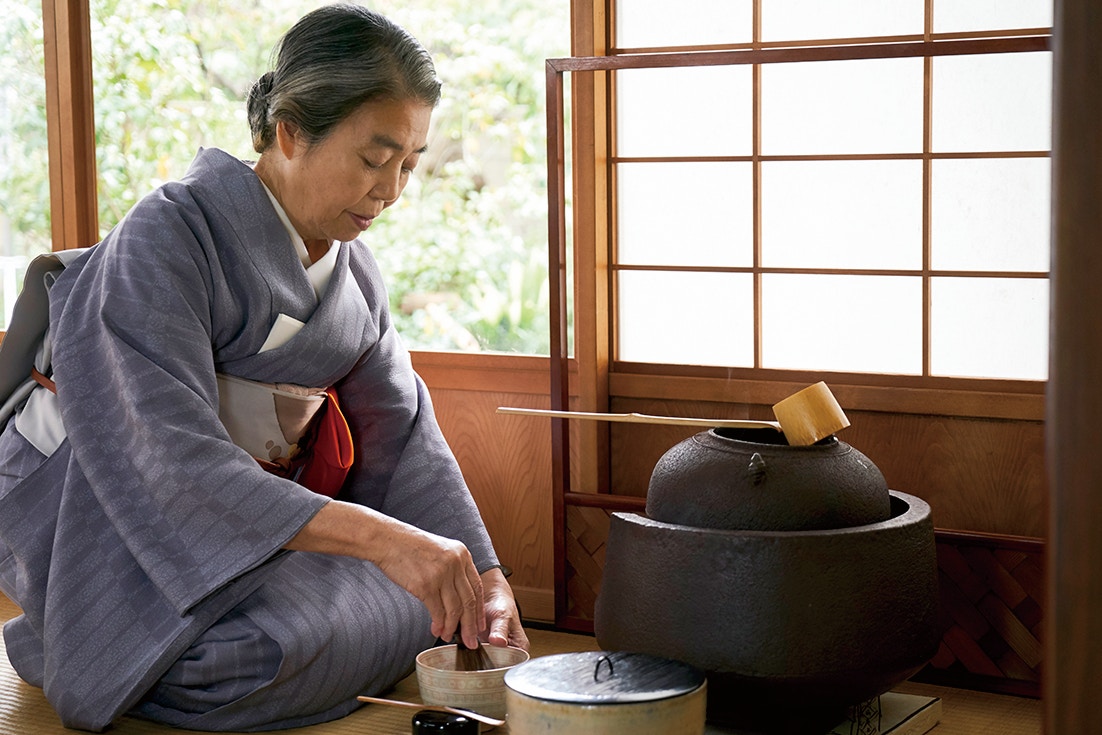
[464, 250]
[686, 318]
[975, 15]
[995, 327]
[692, 111]
[990, 214]
[167, 80]
[643, 23]
[669, 212]
[846, 323]
[842, 107]
[993, 102]
[842, 214]
[808, 19]
[24, 167]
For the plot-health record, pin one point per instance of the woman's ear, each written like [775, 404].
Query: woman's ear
[287, 138]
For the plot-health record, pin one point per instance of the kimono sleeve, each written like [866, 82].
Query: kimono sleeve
[137, 390]
[404, 466]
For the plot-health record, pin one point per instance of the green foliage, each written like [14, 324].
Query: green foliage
[474, 223]
[478, 220]
[24, 171]
[469, 235]
[170, 76]
[467, 242]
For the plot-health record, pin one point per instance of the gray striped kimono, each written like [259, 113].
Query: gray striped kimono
[145, 551]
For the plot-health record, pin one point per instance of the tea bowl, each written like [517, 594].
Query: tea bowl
[479, 691]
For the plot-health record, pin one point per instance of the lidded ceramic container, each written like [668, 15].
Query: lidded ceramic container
[605, 693]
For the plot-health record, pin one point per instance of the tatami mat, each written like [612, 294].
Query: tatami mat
[24, 711]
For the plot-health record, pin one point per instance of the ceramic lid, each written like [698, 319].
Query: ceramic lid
[603, 677]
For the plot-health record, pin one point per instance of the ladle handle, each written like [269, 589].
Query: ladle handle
[484, 719]
[642, 418]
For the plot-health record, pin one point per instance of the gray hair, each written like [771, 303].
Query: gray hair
[333, 60]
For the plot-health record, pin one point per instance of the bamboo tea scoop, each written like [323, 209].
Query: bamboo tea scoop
[804, 417]
[484, 719]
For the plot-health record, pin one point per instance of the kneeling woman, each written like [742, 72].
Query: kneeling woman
[161, 569]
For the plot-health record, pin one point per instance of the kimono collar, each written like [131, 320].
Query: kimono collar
[320, 272]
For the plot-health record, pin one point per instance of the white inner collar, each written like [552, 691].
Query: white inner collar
[320, 272]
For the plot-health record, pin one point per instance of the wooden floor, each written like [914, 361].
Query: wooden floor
[24, 711]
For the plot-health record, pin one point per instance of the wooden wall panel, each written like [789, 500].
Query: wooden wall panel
[506, 461]
[976, 474]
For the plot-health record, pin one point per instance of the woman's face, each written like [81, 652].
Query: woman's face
[334, 189]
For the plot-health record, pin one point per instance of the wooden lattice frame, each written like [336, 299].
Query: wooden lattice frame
[992, 592]
[557, 228]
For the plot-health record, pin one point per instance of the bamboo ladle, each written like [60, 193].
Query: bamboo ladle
[804, 417]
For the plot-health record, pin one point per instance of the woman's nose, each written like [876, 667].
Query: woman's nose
[388, 187]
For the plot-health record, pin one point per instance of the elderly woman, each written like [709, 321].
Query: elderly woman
[161, 569]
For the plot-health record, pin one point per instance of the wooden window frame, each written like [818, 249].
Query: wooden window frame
[70, 123]
[602, 379]
[597, 378]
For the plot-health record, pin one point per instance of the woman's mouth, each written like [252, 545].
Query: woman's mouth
[361, 222]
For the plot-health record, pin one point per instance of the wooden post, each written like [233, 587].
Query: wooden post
[1073, 625]
[70, 127]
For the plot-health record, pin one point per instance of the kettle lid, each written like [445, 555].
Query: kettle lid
[603, 677]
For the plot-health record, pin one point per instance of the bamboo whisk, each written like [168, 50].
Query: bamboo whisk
[471, 659]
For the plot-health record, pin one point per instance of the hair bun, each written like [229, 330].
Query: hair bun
[257, 107]
[263, 86]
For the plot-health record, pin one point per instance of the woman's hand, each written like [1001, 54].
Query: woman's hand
[502, 617]
[440, 573]
[436, 570]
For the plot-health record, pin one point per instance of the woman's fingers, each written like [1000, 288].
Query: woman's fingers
[478, 606]
[505, 627]
[440, 573]
[460, 608]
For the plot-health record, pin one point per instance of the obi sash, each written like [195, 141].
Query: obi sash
[295, 432]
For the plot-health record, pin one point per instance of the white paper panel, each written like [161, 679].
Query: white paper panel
[787, 20]
[842, 214]
[694, 111]
[872, 106]
[686, 318]
[990, 328]
[994, 102]
[991, 214]
[843, 323]
[685, 214]
[953, 16]
[650, 23]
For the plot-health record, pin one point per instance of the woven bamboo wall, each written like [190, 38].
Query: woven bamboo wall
[992, 592]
